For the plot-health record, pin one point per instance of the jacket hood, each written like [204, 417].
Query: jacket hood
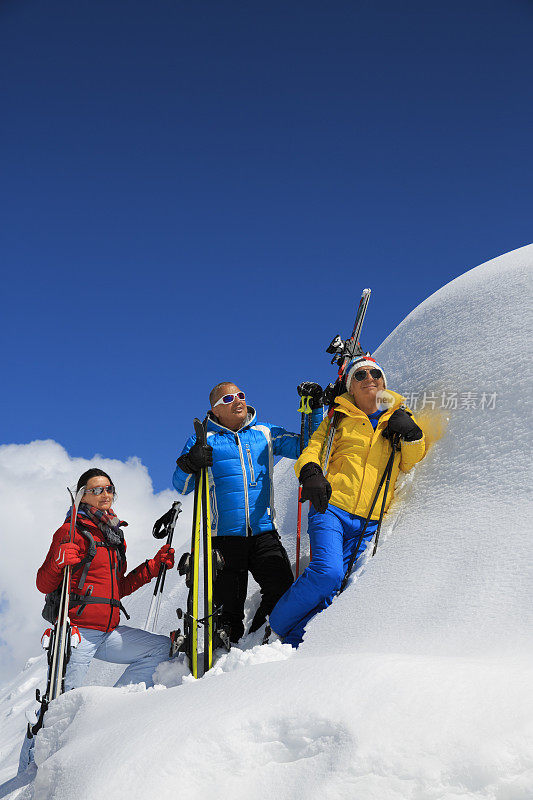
[346, 404]
[215, 426]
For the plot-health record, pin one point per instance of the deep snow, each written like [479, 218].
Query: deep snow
[416, 683]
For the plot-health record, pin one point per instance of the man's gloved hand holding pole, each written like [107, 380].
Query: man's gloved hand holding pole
[198, 457]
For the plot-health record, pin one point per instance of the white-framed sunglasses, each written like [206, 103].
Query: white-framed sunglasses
[226, 399]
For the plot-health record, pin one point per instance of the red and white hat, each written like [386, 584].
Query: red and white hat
[360, 362]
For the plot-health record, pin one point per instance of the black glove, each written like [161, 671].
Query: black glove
[315, 487]
[199, 456]
[402, 423]
[312, 390]
[332, 391]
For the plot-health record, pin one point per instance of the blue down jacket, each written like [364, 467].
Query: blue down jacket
[241, 485]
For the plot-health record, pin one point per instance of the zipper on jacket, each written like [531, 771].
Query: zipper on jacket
[112, 589]
[250, 464]
[214, 509]
[245, 479]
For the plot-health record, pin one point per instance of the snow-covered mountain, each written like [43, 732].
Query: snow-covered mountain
[416, 682]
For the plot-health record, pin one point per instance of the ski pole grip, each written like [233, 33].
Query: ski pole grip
[305, 404]
[164, 526]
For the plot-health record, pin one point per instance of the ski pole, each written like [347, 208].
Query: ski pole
[305, 409]
[385, 477]
[164, 526]
[394, 442]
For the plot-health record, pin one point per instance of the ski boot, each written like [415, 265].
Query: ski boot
[222, 637]
[184, 568]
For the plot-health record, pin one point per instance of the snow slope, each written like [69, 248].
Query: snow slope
[416, 682]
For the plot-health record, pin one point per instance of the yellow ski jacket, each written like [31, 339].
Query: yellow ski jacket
[359, 455]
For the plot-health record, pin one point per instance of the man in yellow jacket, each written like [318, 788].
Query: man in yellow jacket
[370, 415]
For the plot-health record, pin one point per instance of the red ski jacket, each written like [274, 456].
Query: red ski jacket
[95, 604]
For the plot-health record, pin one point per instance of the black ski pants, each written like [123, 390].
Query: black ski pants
[265, 557]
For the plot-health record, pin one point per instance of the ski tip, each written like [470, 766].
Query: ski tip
[79, 494]
[199, 430]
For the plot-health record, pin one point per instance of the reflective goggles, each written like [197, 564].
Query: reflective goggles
[361, 374]
[99, 489]
[226, 399]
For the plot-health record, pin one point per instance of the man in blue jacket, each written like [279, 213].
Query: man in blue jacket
[240, 456]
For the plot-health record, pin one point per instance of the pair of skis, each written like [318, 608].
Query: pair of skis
[189, 566]
[59, 639]
[342, 351]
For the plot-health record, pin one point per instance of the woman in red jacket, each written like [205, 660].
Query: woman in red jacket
[97, 557]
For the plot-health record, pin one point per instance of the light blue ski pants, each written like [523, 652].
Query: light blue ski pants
[142, 651]
[333, 537]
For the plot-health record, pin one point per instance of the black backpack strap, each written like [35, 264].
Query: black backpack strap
[85, 563]
[91, 552]
[83, 600]
[87, 599]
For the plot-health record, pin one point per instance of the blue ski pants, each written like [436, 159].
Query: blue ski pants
[141, 650]
[333, 536]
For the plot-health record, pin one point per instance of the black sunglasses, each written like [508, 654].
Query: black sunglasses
[361, 374]
[99, 489]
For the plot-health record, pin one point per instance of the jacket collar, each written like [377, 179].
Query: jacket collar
[345, 404]
[215, 426]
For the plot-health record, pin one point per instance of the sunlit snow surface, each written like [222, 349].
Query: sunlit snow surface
[416, 683]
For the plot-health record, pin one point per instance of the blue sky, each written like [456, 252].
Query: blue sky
[193, 192]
